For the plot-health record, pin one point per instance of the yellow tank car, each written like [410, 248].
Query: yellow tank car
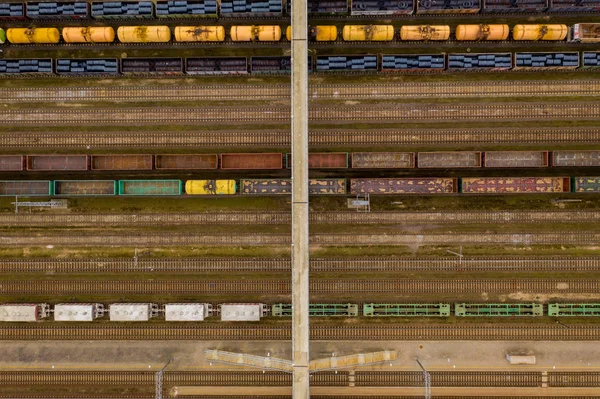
[199, 33]
[210, 187]
[540, 32]
[319, 33]
[33, 35]
[482, 32]
[90, 34]
[361, 33]
[144, 34]
[425, 32]
[262, 33]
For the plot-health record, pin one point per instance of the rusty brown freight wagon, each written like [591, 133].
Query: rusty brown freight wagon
[422, 186]
[122, 162]
[323, 160]
[11, 163]
[85, 187]
[186, 161]
[383, 160]
[515, 185]
[57, 162]
[252, 161]
[516, 159]
[449, 159]
[576, 158]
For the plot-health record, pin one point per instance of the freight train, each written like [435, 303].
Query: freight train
[194, 9]
[281, 65]
[277, 161]
[189, 312]
[586, 33]
[329, 186]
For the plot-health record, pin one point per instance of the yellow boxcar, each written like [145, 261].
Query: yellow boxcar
[482, 32]
[425, 32]
[540, 32]
[199, 33]
[262, 33]
[361, 33]
[144, 34]
[33, 35]
[90, 34]
[210, 187]
[319, 33]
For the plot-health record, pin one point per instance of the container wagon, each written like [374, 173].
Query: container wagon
[57, 10]
[31, 66]
[448, 7]
[152, 66]
[243, 311]
[383, 160]
[181, 9]
[413, 62]
[443, 160]
[498, 309]
[573, 309]
[12, 11]
[85, 187]
[11, 163]
[24, 312]
[78, 311]
[516, 159]
[382, 7]
[545, 61]
[132, 311]
[251, 8]
[406, 309]
[187, 311]
[39, 163]
[347, 63]
[216, 66]
[325, 160]
[105, 66]
[589, 184]
[318, 309]
[480, 62]
[322, 7]
[122, 10]
[514, 6]
[186, 161]
[422, 186]
[515, 185]
[250, 161]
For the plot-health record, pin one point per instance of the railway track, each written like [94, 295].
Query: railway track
[262, 115]
[422, 264]
[138, 239]
[355, 332]
[283, 287]
[274, 218]
[327, 378]
[406, 90]
[317, 138]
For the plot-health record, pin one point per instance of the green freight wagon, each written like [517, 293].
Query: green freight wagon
[25, 187]
[318, 309]
[574, 309]
[150, 187]
[2, 36]
[85, 187]
[498, 309]
[406, 309]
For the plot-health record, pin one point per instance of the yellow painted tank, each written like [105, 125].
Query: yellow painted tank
[199, 33]
[33, 35]
[210, 187]
[377, 33]
[90, 34]
[262, 33]
[425, 32]
[482, 32]
[144, 34]
[319, 33]
[540, 32]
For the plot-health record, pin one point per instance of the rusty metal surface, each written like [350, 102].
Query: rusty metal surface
[10, 163]
[186, 161]
[84, 187]
[576, 158]
[383, 160]
[516, 159]
[458, 159]
[122, 162]
[57, 162]
[252, 161]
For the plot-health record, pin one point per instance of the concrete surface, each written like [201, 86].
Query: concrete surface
[189, 355]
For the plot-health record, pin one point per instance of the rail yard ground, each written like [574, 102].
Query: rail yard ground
[505, 248]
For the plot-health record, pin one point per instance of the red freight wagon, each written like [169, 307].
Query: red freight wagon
[57, 162]
[122, 162]
[252, 161]
[186, 161]
[324, 160]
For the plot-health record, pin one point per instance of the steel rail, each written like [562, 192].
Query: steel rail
[143, 239]
[215, 332]
[317, 138]
[275, 218]
[220, 265]
[283, 287]
[262, 92]
[262, 115]
[327, 378]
